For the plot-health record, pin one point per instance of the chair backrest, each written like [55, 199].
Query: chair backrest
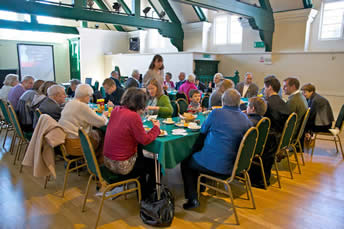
[205, 101]
[181, 95]
[340, 119]
[288, 130]
[15, 122]
[90, 156]
[246, 151]
[4, 110]
[183, 105]
[303, 125]
[96, 86]
[263, 127]
[38, 113]
[176, 109]
[102, 91]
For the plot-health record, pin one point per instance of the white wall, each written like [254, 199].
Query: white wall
[94, 44]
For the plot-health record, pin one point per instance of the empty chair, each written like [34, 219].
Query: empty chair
[7, 125]
[183, 105]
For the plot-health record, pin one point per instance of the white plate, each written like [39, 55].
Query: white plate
[195, 128]
[150, 117]
[167, 122]
[163, 134]
[179, 131]
[179, 124]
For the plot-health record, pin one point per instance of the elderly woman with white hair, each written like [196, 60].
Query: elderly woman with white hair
[188, 85]
[217, 80]
[76, 114]
[10, 81]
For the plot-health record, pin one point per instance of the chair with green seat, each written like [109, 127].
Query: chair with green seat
[8, 124]
[23, 138]
[284, 144]
[334, 133]
[296, 144]
[240, 170]
[263, 127]
[183, 105]
[106, 178]
[205, 102]
[181, 95]
[176, 109]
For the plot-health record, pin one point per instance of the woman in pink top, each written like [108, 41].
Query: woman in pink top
[123, 135]
[188, 85]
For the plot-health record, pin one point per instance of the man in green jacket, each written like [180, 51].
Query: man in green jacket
[296, 101]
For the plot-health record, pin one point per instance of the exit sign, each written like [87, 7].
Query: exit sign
[259, 44]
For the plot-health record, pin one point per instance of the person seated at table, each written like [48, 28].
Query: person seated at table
[296, 101]
[19, 89]
[181, 78]
[321, 115]
[52, 105]
[195, 98]
[201, 86]
[133, 80]
[256, 109]
[223, 129]
[215, 97]
[247, 88]
[124, 132]
[11, 80]
[71, 89]
[158, 103]
[115, 76]
[76, 114]
[278, 113]
[215, 84]
[168, 83]
[188, 85]
[24, 110]
[113, 93]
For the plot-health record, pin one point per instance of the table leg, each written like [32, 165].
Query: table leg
[157, 175]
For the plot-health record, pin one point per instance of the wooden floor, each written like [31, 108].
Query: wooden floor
[314, 199]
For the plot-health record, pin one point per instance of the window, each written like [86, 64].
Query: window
[12, 16]
[228, 30]
[332, 20]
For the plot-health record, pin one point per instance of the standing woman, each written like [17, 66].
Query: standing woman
[156, 71]
[158, 102]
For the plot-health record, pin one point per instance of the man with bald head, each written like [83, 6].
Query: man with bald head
[181, 80]
[247, 88]
[52, 104]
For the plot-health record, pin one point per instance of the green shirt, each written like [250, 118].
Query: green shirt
[166, 108]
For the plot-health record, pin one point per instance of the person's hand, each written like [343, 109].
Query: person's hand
[156, 123]
[165, 87]
[153, 108]
[110, 104]
[106, 114]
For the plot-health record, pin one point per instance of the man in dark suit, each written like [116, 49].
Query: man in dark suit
[181, 80]
[116, 77]
[113, 93]
[278, 112]
[52, 105]
[247, 88]
[133, 81]
[296, 101]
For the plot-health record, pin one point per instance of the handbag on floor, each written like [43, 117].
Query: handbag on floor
[159, 213]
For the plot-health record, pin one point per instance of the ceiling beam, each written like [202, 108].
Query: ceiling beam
[260, 18]
[171, 30]
[20, 25]
[200, 14]
[125, 7]
[169, 11]
[102, 6]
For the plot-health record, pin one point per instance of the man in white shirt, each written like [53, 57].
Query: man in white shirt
[247, 88]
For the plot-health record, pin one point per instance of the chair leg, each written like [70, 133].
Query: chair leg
[66, 178]
[86, 193]
[335, 142]
[17, 152]
[315, 139]
[248, 183]
[296, 158]
[263, 173]
[277, 173]
[13, 142]
[46, 181]
[3, 144]
[232, 199]
[199, 187]
[341, 147]
[289, 166]
[100, 209]
[302, 154]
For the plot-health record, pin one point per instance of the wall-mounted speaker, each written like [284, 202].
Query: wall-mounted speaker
[134, 44]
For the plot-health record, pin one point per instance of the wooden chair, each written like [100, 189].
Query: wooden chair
[108, 179]
[297, 142]
[335, 134]
[181, 95]
[176, 108]
[241, 166]
[263, 127]
[23, 139]
[284, 143]
[183, 105]
[7, 125]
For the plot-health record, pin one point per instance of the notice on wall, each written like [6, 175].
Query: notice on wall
[265, 59]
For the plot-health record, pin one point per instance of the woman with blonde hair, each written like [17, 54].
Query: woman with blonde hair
[158, 102]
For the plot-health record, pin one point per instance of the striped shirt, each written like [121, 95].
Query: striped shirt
[14, 95]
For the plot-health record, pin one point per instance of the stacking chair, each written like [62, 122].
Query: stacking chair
[102, 91]
[296, 144]
[23, 139]
[7, 123]
[335, 133]
[283, 146]
[241, 166]
[176, 109]
[205, 102]
[108, 179]
[263, 127]
[183, 105]
[181, 95]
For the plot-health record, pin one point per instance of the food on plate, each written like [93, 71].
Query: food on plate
[189, 117]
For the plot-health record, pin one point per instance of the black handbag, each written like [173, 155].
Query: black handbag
[158, 213]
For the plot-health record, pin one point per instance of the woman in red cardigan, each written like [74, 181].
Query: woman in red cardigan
[123, 135]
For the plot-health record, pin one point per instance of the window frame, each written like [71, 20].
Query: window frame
[322, 23]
